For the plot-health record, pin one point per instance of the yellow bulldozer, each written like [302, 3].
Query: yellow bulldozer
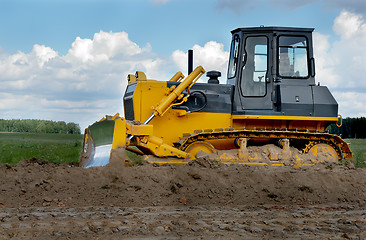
[269, 112]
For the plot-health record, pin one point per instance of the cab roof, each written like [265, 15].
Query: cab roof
[272, 29]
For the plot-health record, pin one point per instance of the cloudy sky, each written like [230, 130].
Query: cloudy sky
[67, 60]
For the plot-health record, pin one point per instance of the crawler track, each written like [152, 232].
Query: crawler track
[308, 139]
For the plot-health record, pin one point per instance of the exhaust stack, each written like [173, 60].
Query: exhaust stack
[190, 61]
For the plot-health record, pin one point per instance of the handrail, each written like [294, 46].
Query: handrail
[339, 118]
[177, 77]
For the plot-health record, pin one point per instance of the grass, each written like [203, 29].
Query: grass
[56, 148]
[358, 148]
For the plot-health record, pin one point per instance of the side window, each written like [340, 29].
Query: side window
[292, 57]
[233, 61]
[253, 78]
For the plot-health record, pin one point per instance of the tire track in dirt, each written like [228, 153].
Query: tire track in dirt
[189, 222]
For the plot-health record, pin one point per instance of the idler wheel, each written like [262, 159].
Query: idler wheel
[323, 152]
[198, 146]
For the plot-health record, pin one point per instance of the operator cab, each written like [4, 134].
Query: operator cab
[273, 70]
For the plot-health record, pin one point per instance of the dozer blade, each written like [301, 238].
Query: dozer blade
[99, 140]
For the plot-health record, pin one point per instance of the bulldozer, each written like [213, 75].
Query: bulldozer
[269, 112]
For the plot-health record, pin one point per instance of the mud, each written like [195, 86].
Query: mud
[204, 199]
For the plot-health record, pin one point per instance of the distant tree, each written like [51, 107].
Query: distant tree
[60, 127]
[351, 128]
[38, 126]
[41, 127]
[73, 128]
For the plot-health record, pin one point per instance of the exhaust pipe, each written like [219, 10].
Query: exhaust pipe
[190, 61]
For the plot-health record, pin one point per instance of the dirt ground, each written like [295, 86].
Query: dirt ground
[203, 200]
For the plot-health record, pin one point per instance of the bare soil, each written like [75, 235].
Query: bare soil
[202, 200]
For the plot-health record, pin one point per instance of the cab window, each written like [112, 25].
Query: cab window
[254, 72]
[233, 61]
[293, 57]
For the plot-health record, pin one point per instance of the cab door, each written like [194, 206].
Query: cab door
[255, 82]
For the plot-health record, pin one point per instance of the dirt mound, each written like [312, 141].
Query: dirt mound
[38, 183]
[201, 200]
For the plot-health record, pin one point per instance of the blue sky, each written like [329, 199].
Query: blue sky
[166, 26]
[68, 60]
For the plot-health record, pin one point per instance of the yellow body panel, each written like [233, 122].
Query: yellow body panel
[289, 118]
[282, 122]
[171, 127]
[157, 147]
[119, 134]
[141, 130]
[175, 122]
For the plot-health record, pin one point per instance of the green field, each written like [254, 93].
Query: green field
[59, 148]
[358, 148]
[56, 148]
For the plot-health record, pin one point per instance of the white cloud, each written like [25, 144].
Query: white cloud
[103, 47]
[211, 56]
[349, 25]
[82, 86]
[43, 54]
[351, 103]
[325, 64]
[340, 64]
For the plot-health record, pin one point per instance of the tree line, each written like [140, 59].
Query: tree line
[38, 126]
[351, 128]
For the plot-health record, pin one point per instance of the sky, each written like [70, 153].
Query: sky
[68, 60]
